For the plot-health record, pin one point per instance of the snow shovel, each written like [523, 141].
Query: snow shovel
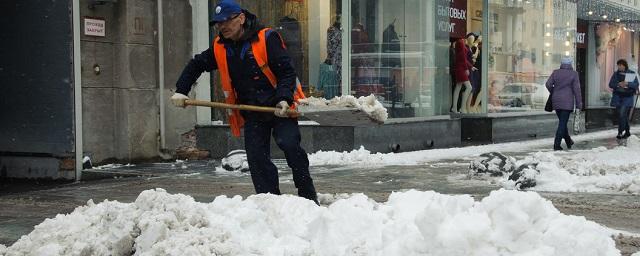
[330, 116]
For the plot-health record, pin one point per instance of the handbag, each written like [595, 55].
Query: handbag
[549, 105]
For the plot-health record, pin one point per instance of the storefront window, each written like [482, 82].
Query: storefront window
[527, 40]
[400, 52]
[312, 32]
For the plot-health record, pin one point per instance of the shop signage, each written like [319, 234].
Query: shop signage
[581, 34]
[453, 17]
[94, 27]
[580, 38]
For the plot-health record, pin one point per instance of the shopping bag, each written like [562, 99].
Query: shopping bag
[578, 122]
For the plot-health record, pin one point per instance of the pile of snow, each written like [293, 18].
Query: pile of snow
[235, 161]
[112, 166]
[363, 157]
[494, 164]
[409, 223]
[595, 170]
[368, 104]
[360, 157]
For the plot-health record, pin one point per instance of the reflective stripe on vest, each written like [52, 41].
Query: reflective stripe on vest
[259, 48]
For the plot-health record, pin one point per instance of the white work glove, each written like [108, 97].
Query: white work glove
[178, 99]
[281, 109]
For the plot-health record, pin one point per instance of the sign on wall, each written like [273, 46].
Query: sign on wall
[94, 27]
[581, 34]
[453, 18]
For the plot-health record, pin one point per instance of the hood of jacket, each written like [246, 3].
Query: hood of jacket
[566, 66]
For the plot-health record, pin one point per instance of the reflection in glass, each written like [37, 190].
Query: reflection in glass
[527, 40]
[398, 54]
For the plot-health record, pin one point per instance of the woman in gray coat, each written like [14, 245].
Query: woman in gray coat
[564, 86]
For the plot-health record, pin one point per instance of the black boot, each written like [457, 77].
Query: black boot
[627, 134]
[556, 148]
[569, 142]
[619, 136]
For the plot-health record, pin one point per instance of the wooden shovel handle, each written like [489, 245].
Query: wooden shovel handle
[202, 103]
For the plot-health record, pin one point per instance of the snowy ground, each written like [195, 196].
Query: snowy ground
[600, 169]
[409, 223]
[364, 157]
[597, 170]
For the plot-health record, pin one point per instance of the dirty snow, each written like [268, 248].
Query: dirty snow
[368, 104]
[409, 223]
[363, 157]
[596, 170]
[614, 170]
[112, 166]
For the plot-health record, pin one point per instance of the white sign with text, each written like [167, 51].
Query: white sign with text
[94, 27]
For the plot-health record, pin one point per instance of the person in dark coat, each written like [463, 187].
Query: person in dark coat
[623, 92]
[564, 85]
[238, 29]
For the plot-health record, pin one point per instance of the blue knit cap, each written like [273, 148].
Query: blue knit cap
[566, 61]
[225, 10]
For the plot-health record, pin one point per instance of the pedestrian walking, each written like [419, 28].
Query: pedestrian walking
[564, 86]
[624, 84]
[255, 69]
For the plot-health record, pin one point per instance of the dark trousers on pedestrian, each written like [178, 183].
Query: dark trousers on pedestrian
[264, 174]
[623, 119]
[562, 132]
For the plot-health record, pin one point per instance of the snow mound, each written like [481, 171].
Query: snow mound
[361, 157]
[595, 170]
[495, 164]
[409, 223]
[368, 104]
[235, 161]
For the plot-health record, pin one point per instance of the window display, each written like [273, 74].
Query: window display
[399, 53]
[312, 33]
[527, 40]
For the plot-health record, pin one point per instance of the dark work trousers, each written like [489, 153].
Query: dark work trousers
[264, 174]
[562, 132]
[623, 119]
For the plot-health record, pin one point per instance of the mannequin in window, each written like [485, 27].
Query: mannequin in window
[361, 63]
[476, 84]
[359, 39]
[391, 44]
[334, 47]
[471, 53]
[463, 70]
[289, 29]
[331, 70]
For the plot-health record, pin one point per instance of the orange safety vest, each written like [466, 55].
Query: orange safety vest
[259, 48]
